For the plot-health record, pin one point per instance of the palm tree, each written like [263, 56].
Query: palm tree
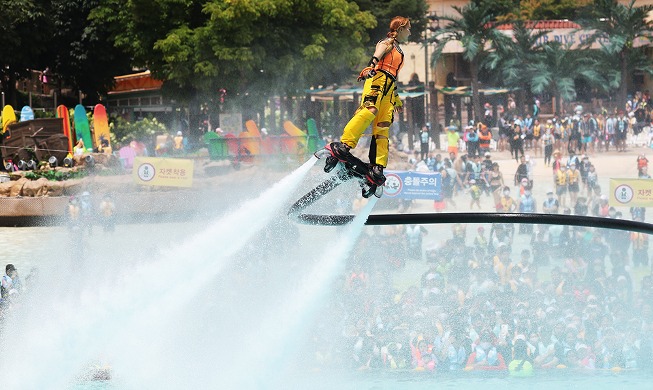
[508, 60]
[616, 28]
[556, 69]
[475, 29]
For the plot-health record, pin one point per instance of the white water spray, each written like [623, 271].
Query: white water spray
[122, 316]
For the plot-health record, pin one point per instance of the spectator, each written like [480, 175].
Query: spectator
[10, 284]
[452, 140]
[550, 204]
[424, 142]
[108, 213]
[520, 365]
[485, 355]
[527, 204]
[475, 193]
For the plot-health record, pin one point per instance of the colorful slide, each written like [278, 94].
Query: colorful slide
[62, 112]
[8, 117]
[26, 114]
[314, 140]
[297, 143]
[101, 129]
[82, 129]
[250, 140]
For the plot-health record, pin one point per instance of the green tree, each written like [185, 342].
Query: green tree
[616, 28]
[508, 60]
[249, 46]
[385, 10]
[537, 9]
[80, 52]
[475, 28]
[557, 69]
[25, 31]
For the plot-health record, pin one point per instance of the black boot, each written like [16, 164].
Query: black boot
[376, 175]
[339, 150]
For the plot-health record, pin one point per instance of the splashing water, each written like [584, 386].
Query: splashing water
[127, 317]
[279, 326]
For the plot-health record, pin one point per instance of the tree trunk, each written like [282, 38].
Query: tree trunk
[476, 100]
[558, 103]
[521, 102]
[12, 95]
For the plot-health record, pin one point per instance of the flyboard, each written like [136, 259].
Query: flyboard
[351, 169]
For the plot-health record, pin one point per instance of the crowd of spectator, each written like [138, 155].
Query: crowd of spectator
[563, 298]
[502, 297]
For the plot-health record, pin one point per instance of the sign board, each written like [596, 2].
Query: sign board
[171, 172]
[413, 185]
[631, 192]
[231, 123]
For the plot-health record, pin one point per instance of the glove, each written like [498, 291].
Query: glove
[366, 73]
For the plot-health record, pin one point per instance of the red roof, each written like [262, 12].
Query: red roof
[135, 82]
[544, 25]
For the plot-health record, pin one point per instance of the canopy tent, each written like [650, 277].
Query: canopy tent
[348, 94]
[467, 91]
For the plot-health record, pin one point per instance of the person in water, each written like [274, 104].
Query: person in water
[379, 101]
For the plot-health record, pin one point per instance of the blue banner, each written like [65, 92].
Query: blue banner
[413, 185]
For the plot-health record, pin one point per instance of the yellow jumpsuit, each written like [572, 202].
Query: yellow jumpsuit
[379, 91]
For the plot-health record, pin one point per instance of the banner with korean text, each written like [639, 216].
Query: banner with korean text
[171, 172]
[413, 185]
[631, 192]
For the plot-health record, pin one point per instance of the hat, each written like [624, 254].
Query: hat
[472, 181]
[524, 181]
[9, 268]
[549, 191]
[179, 133]
[556, 152]
[487, 154]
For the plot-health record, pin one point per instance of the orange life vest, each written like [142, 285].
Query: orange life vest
[392, 61]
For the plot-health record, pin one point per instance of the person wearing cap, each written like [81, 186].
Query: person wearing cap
[484, 139]
[178, 142]
[561, 178]
[573, 183]
[557, 161]
[473, 141]
[10, 283]
[487, 161]
[550, 204]
[475, 192]
[452, 140]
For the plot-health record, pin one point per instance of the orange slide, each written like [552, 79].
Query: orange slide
[250, 140]
[296, 140]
